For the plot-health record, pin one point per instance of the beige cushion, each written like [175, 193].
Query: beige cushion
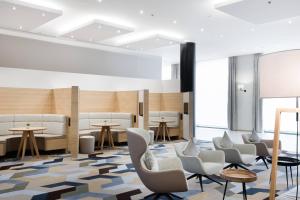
[226, 141]
[191, 149]
[150, 161]
[254, 137]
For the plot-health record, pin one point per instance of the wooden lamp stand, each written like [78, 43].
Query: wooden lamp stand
[276, 146]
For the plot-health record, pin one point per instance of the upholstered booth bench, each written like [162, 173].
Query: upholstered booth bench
[119, 132]
[173, 116]
[53, 138]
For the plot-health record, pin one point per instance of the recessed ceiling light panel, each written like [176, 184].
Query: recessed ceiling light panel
[14, 14]
[98, 30]
[153, 42]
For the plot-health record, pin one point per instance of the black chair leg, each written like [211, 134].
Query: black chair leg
[200, 181]
[192, 176]
[175, 196]
[241, 166]
[263, 158]
[291, 175]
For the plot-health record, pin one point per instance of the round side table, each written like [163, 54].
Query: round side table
[238, 176]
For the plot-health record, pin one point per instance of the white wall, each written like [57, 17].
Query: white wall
[25, 78]
[245, 76]
[25, 53]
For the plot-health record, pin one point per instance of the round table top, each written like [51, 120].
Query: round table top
[238, 175]
[162, 121]
[28, 128]
[110, 124]
[285, 161]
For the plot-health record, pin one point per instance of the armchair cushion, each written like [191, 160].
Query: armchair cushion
[226, 141]
[254, 137]
[190, 149]
[150, 161]
[169, 164]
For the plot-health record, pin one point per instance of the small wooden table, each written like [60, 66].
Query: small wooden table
[163, 128]
[239, 176]
[28, 132]
[105, 128]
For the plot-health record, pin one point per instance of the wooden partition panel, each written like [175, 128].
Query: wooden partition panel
[25, 101]
[154, 101]
[171, 102]
[95, 101]
[127, 101]
[62, 101]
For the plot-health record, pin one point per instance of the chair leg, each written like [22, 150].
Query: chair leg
[213, 180]
[150, 195]
[228, 166]
[263, 158]
[192, 176]
[200, 181]
[241, 166]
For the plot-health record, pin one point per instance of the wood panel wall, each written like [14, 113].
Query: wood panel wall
[171, 102]
[154, 101]
[96, 101]
[62, 101]
[26, 101]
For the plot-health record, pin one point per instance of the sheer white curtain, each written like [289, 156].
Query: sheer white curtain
[212, 93]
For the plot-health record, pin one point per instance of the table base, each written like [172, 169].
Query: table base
[105, 131]
[244, 190]
[28, 135]
[162, 129]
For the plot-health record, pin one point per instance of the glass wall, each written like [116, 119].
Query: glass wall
[212, 93]
[288, 120]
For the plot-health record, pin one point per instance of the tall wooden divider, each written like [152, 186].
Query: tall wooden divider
[66, 101]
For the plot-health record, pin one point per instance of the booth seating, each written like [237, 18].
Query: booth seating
[168, 116]
[86, 120]
[53, 138]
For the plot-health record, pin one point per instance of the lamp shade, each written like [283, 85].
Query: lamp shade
[280, 74]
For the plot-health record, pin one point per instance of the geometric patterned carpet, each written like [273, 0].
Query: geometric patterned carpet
[111, 176]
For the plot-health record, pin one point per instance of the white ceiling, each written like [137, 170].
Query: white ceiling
[216, 33]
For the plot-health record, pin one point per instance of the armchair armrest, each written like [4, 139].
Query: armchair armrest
[169, 164]
[246, 148]
[212, 156]
[269, 143]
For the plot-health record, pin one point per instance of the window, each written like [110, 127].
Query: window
[166, 71]
[212, 93]
[288, 120]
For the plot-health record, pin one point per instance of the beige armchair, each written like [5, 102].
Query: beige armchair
[168, 178]
[264, 148]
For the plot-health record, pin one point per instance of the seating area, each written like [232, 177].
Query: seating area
[149, 100]
[53, 138]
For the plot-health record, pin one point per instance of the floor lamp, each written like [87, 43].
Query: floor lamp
[280, 78]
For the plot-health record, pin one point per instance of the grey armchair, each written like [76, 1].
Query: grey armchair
[167, 179]
[238, 155]
[206, 164]
[264, 148]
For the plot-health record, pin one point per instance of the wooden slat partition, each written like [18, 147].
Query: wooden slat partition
[154, 101]
[62, 101]
[25, 101]
[171, 102]
[96, 101]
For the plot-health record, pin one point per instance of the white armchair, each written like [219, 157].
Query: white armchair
[206, 164]
[163, 181]
[238, 155]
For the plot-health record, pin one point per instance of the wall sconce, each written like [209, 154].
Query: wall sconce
[241, 88]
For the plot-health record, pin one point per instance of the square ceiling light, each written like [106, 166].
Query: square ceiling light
[15, 14]
[149, 43]
[261, 11]
[97, 31]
